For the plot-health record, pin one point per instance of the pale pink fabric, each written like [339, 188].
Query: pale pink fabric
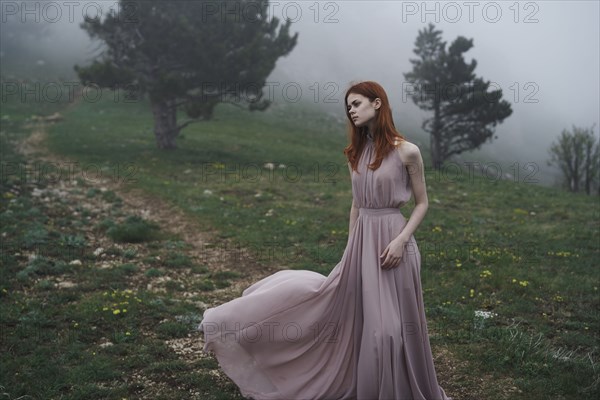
[359, 333]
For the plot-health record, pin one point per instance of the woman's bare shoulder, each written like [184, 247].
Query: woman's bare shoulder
[409, 152]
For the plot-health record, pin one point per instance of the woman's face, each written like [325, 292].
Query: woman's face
[362, 111]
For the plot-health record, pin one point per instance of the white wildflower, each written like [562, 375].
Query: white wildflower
[485, 314]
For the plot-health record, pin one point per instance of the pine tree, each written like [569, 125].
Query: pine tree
[189, 55]
[464, 112]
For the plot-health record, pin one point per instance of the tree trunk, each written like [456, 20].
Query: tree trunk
[165, 123]
[588, 168]
[576, 174]
[436, 157]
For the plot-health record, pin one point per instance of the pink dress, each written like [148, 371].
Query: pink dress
[358, 333]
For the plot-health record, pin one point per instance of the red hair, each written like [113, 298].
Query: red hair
[385, 133]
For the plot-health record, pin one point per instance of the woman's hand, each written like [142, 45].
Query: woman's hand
[392, 255]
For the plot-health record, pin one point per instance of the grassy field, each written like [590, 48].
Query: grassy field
[110, 302]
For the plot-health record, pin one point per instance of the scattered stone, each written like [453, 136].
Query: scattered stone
[65, 285]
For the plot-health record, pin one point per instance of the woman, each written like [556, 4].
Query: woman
[359, 333]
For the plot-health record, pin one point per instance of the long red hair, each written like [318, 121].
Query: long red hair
[385, 133]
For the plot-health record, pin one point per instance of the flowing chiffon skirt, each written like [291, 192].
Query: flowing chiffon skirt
[359, 333]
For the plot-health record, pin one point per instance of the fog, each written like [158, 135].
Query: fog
[544, 55]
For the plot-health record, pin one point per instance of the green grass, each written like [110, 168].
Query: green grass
[133, 230]
[526, 253]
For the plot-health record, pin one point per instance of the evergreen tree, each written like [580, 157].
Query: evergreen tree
[464, 112]
[188, 54]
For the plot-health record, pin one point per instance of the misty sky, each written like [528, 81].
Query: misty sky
[554, 61]
[544, 55]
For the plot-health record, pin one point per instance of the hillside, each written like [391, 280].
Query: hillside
[509, 269]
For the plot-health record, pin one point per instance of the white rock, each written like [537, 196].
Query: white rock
[65, 284]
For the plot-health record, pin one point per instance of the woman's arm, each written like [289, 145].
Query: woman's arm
[411, 156]
[416, 171]
[353, 210]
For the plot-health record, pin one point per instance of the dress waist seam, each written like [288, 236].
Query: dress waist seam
[378, 211]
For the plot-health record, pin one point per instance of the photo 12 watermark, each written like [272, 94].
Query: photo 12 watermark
[53, 172]
[67, 92]
[321, 332]
[202, 91]
[52, 12]
[327, 12]
[520, 92]
[471, 172]
[232, 172]
[206, 11]
[470, 11]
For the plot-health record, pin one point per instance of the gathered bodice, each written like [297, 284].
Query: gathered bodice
[386, 187]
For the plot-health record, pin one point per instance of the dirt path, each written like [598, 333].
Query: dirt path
[173, 219]
[202, 250]
[205, 247]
